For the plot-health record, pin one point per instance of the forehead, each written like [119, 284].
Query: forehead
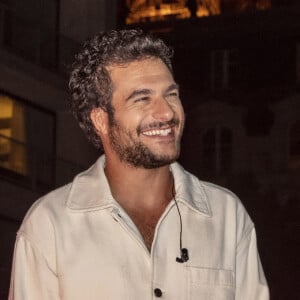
[146, 72]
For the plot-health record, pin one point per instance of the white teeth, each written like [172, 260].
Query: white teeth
[162, 132]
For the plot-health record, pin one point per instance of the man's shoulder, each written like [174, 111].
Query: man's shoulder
[56, 204]
[39, 227]
[47, 206]
[55, 198]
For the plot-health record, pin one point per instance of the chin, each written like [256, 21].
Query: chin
[157, 164]
[159, 161]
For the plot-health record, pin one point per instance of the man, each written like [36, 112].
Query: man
[135, 225]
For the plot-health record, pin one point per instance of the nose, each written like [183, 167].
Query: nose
[162, 110]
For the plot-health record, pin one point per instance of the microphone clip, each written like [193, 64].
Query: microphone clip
[184, 256]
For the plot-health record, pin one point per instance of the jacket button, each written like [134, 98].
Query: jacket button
[157, 292]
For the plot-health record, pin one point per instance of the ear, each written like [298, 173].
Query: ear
[100, 120]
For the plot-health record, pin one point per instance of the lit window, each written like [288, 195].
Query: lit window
[12, 136]
[216, 7]
[208, 8]
[27, 142]
[223, 70]
[294, 153]
[157, 10]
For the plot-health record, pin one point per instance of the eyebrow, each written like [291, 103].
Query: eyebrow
[172, 87]
[144, 92]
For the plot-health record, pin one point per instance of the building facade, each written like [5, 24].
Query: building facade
[238, 65]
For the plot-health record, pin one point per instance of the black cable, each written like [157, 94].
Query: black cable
[184, 254]
[174, 196]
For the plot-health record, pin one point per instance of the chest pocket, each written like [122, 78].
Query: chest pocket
[210, 284]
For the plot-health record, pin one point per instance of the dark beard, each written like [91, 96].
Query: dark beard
[136, 153]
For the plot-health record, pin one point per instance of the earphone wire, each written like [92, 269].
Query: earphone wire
[180, 219]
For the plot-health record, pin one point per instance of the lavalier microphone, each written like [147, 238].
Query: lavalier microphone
[184, 257]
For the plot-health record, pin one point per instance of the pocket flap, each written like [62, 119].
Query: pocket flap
[208, 276]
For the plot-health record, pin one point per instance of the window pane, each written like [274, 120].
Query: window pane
[26, 142]
[12, 136]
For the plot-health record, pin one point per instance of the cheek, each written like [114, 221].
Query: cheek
[128, 123]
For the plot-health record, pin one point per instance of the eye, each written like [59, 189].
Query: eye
[173, 95]
[142, 99]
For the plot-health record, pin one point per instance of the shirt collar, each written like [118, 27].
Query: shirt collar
[90, 190]
[190, 190]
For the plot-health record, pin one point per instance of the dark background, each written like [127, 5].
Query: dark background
[239, 73]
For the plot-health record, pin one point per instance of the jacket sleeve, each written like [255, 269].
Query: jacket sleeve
[31, 278]
[250, 279]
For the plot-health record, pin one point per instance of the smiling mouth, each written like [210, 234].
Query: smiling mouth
[159, 129]
[158, 132]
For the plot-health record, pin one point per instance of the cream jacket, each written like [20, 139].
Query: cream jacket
[77, 243]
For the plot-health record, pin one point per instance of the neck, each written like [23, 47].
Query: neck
[143, 193]
[139, 188]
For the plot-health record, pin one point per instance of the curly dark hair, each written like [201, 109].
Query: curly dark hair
[90, 83]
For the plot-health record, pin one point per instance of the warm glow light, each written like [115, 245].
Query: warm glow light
[12, 136]
[210, 7]
[202, 12]
[6, 107]
[151, 11]
[6, 111]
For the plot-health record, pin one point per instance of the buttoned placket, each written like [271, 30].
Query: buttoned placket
[158, 285]
[127, 224]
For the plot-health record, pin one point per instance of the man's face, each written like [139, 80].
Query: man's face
[146, 127]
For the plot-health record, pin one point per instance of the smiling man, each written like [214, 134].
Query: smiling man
[135, 225]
